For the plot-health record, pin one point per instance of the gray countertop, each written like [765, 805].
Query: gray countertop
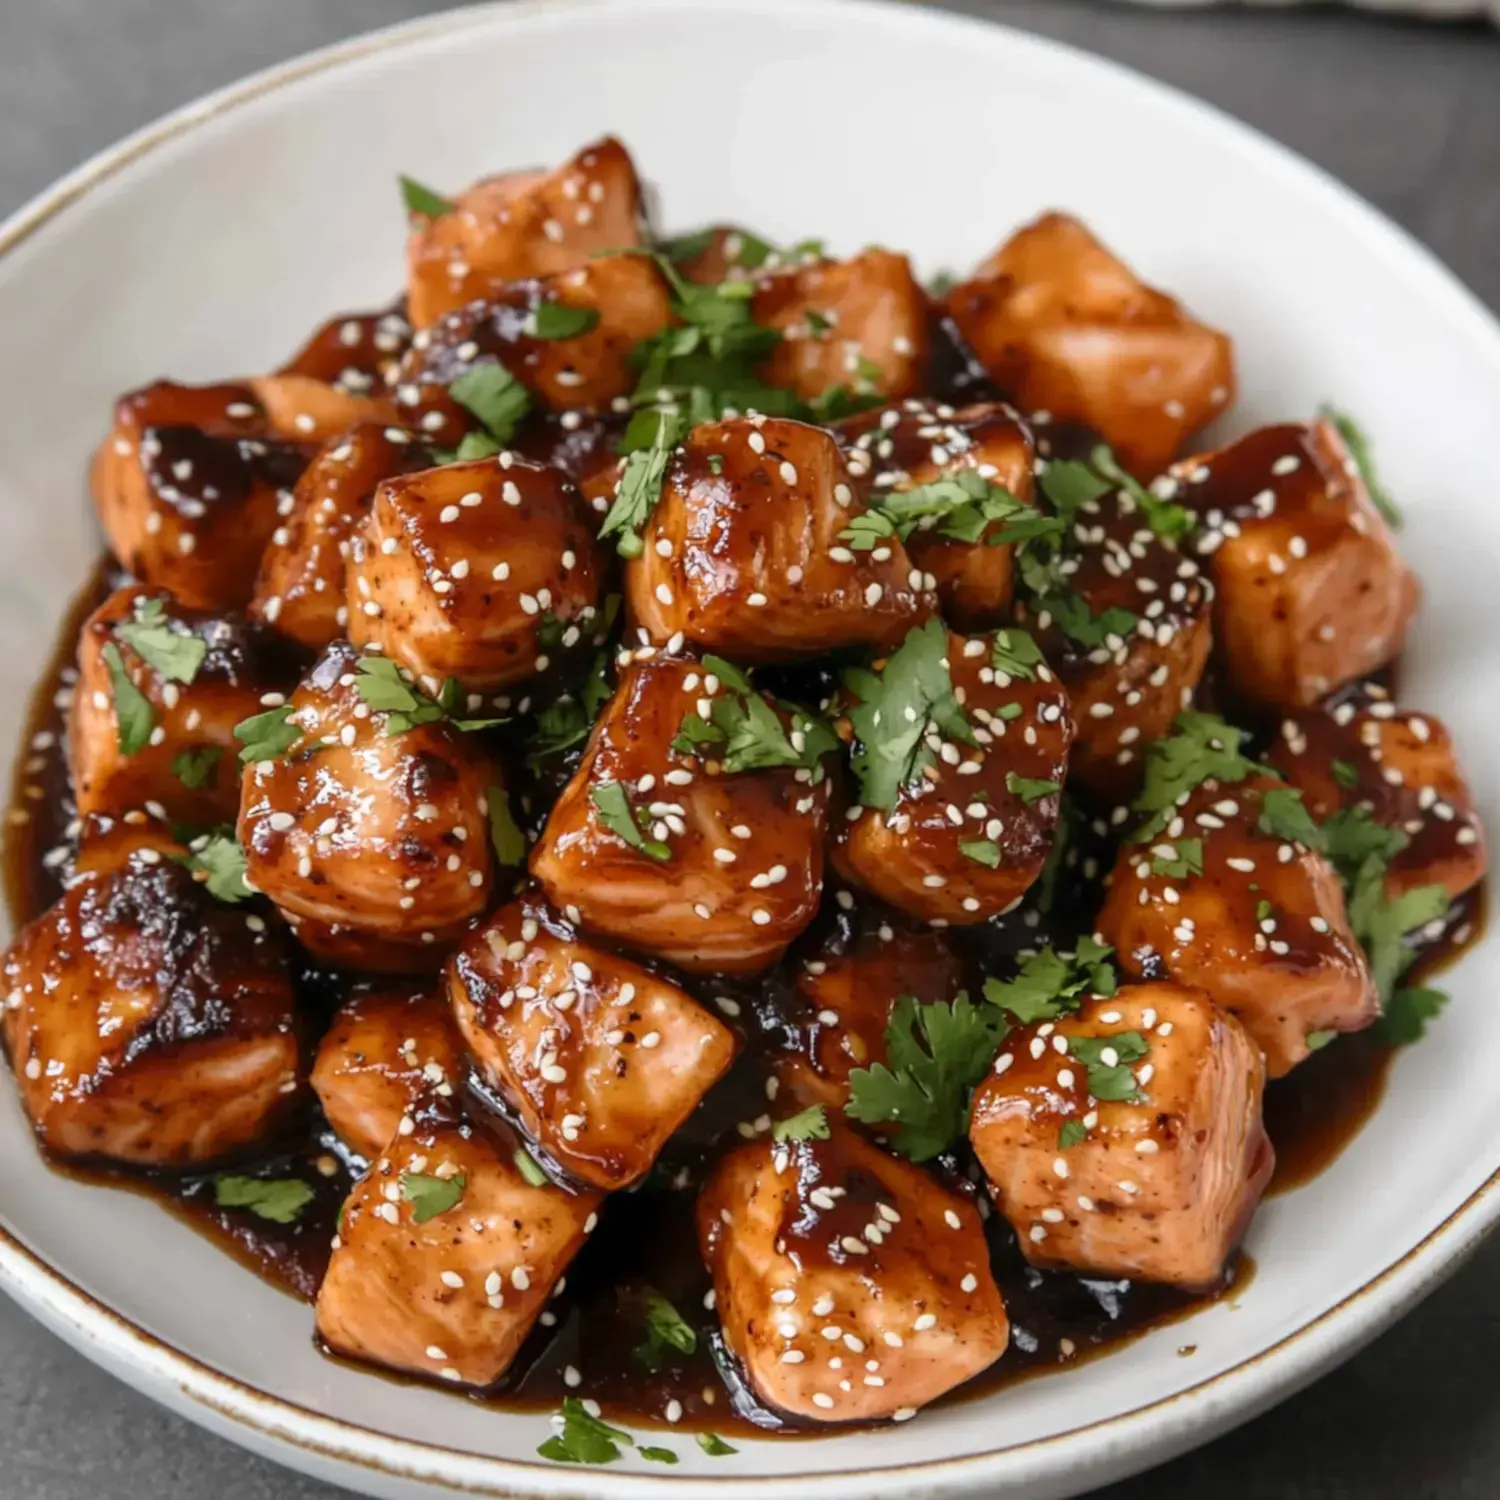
[1408, 115]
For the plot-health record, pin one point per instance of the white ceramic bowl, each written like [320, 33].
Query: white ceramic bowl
[209, 244]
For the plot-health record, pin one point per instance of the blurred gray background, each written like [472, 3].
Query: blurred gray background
[1407, 114]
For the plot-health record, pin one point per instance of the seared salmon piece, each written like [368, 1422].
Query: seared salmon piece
[1125, 1139]
[859, 323]
[160, 689]
[970, 829]
[851, 1285]
[386, 1053]
[1359, 751]
[523, 224]
[1312, 593]
[653, 843]
[898, 449]
[747, 554]
[359, 826]
[356, 352]
[300, 589]
[600, 1059]
[1262, 929]
[148, 1023]
[474, 571]
[446, 1255]
[1070, 332]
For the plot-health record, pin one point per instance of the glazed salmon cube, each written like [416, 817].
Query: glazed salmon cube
[851, 1285]
[160, 689]
[655, 844]
[898, 449]
[523, 224]
[1067, 329]
[473, 571]
[1312, 592]
[361, 830]
[600, 1059]
[1359, 751]
[446, 1255]
[1263, 929]
[860, 324]
[1125, 1140]
[725, 251]
[746, 553]
[969, 828]
[386, 1053]
[148, 1023]
[355, 352]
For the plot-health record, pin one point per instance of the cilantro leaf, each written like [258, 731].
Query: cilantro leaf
[431, 1196]
[267, 736]
[526, 1165]
[1178, 858]
[617, 815]
[174, 655]
[1170, 521]
[380, 682]
[936, 1055]
[960, 506]
[218, 858]
[509, 841]
[1318, 1040]
[1361, 452]
[1015, 654]
[1030, 789]
[750, 732]
[1351, 838]
[1071, 484]
[134, 716]
[1381, 924]
[562, 320]
[714, 1445]
[639, 487]
[1201, 746]
[1283, 816]
[1073, 1133]
[279, 1200]
[493, 395]
[810, 1124]
[195, 767]
[1049, 983]
[423, 200]
[566, 721]
[984, 852]
[1407, 1013]
[583, 1438]
[1108, 1060]
[658, 1455]
[665, 1332]
[1345, 774]
[867, 531]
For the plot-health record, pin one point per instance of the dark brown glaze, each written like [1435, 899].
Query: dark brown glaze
[744, 555]
[912, 855]
[901, 447]
[744, 870]
[585, 446]
[356, 352]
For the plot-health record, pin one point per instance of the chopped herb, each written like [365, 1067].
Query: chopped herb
[475, 445]
[1351, 838]
[914, 689]
[1070, 484]
[1049, 983]
[866, 532]
[1361, 451]
[174, 655]
[961, 506]
[936, 1054]
[1318, 1040]
[1345, 774]
[1111, 1082]
[810, 1124]
[942, 283]
[1073, 1133]
[616, 814]
[714, 1446]
[640, 484]
[431, 1196]
[685, 247]
[380, 682]
[527, 1166]
[562, 320]
[195, 767]
[218, 858]
[1407, 1013]
[493, 395]
[1381, 924]
[982, 851]
[1029, 789]
[134, 716]
[1201, 746]
[267, 736]
[279, 1200]
[1057, 855]
[567, 721]
[817, 322]
[1283, 816]
[1016, 655]
[584, 1439]
[1263, 910]
[750, 732]
[1185, 860]
[716, 463]
[1170, 521]
[657, 1455]
[666, 1332]
[422, 200]
[509, 841]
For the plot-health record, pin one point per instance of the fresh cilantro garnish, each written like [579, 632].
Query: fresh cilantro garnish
[1111, 1081]
[1016, 655]
[666, 1332]
[280, 1200]
[526, 1165]
[267, 736]
[640, 485]
[562, 320]
[1263, 910]
[984, 852]
[867, 531]
[567, 721]
[583, 1438]
[749, 731]
[509, 841]
[431, 1196]
[195, 767]
[1407, 1013]
[1361, 451]
[493, 395]
[1381, 923]
[1283, 816]
[1073, 1133]
[388, 690]
[1166, 518]
[1345, 774]
[817, 322]
[1201, 746]
[657, 1455]
[617, 815]
[714, 1445]
[1185, 859]
[422, 200]
[897, 704]
[1030, 789]
[1049, 983]
[1352, 838]
[686, 247]
[134, 716]
[1318, 1040]
[810, 1124]
[1075, 619]
[1070, 484]
[174, 655]
[218, 858]
[1068, 819]
[961, 506]
[936, 1054]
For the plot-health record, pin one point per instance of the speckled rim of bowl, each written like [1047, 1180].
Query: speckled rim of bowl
[1118, 1445]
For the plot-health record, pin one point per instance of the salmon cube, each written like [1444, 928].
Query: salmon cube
[473, 571]
[600, 1059]
[669, 844]
[1254, 919]
[303, 410]
[523, 224]
[1067, 329]
[1312, 593]
[1125, 1139]
[747, 553]
[387, 1052]
[446, 1256]
[851, 1285]
[355, 352]
[963, 748]
[160, 689]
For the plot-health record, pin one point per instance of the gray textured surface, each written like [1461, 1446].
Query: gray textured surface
[1407, 115]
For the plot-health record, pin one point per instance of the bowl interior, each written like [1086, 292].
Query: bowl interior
[214, 253]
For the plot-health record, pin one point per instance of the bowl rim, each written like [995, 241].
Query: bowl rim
[1130, 1440]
